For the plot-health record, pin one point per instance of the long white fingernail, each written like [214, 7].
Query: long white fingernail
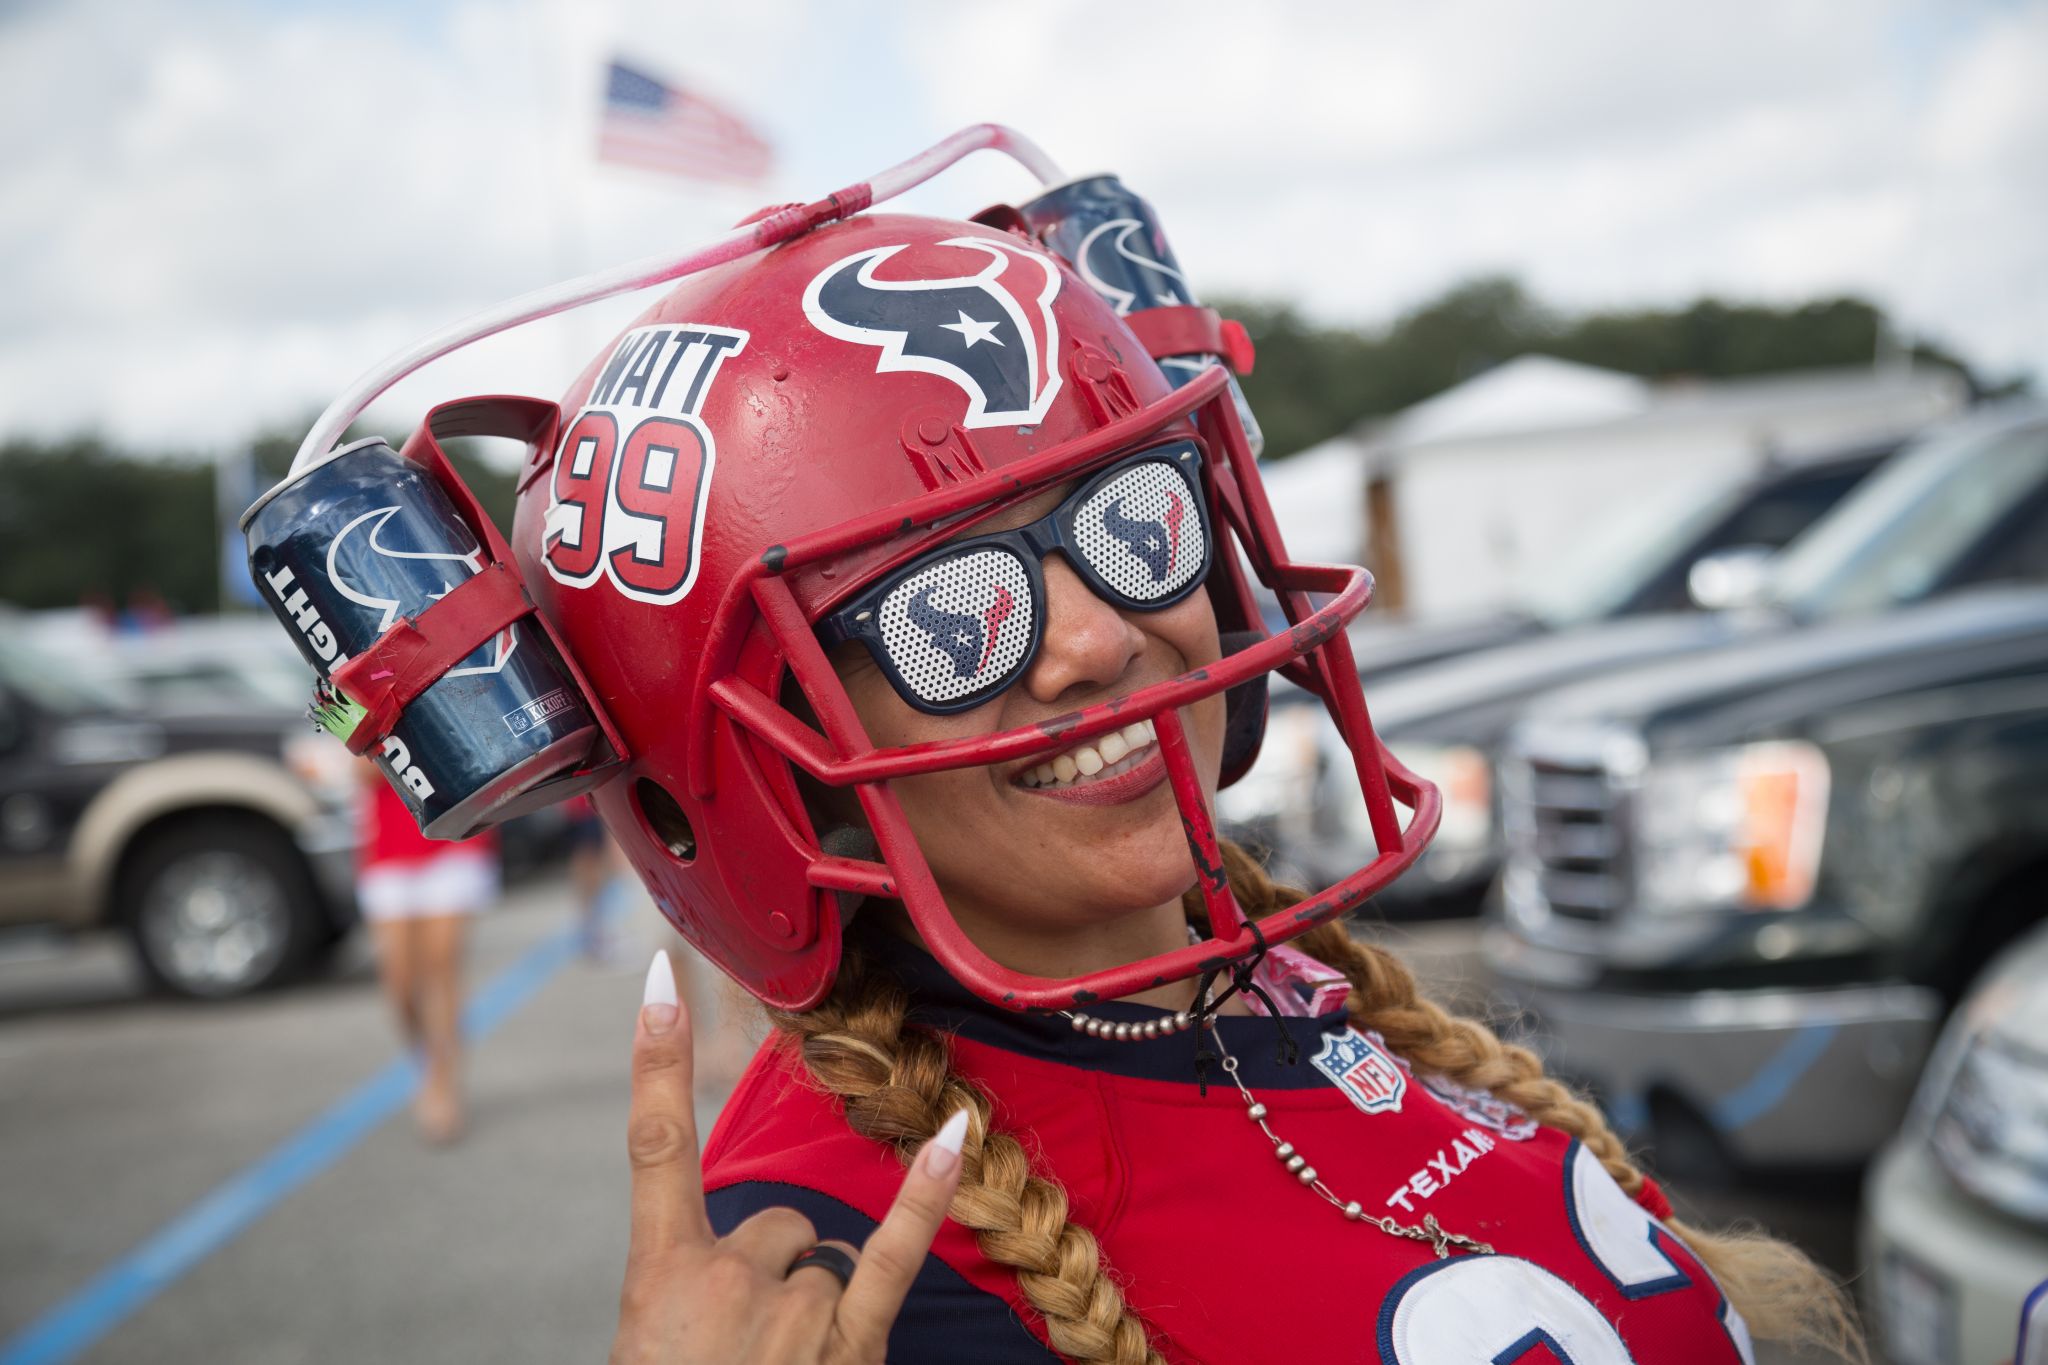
[661, 981]
[944, 1152]
[658, 1007]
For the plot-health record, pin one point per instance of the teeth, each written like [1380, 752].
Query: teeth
[1087, 760]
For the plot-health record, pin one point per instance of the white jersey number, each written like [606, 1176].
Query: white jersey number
[1499, 1309]
[1494, 1309]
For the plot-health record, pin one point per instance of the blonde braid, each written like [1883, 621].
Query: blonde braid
[898, 1086]
[1781, 1294]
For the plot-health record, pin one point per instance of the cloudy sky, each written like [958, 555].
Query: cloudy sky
[215, 213]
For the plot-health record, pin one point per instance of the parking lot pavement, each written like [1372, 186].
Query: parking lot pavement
[123, 1111]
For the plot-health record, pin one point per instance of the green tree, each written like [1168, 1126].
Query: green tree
[1314, 381]
[1310, 382]
[84, 522]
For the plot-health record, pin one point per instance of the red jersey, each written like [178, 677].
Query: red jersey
[1222, 1252]
[391, 835]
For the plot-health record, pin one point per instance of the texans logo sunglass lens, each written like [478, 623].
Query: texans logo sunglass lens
[952, 629]
[962, 624]
[1140, 532]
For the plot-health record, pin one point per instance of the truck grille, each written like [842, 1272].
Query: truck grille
[1564, 824]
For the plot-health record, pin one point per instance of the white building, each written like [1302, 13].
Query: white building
[1457, 502]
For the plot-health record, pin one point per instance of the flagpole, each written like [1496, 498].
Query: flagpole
[571, 150]
[234, 483]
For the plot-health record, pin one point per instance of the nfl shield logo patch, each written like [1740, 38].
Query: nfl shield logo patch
[1363, 1070]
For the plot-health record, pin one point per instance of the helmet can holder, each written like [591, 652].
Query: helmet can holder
[765, 905]
[474, 707]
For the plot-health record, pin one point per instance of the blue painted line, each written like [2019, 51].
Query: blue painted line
[1773, 1081]
[116, 1293]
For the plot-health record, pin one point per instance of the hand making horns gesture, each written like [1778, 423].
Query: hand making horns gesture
[765, 1294]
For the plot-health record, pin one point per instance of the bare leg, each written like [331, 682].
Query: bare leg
[398, 971]
[602, 878]
[587, 874]
[440, 974]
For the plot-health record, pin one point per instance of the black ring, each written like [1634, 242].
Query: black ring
[824, 1258]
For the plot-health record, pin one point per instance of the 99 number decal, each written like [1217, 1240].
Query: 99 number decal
[626, 495]
[629, 508]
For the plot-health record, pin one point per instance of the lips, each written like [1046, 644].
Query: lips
[1119, 766]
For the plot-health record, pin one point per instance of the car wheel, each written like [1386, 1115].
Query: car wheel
[220, 908]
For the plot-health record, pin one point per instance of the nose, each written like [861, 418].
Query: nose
[1088, 644]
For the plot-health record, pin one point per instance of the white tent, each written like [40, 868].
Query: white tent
[1494, 482]
[1528, 393]
[1318, 498]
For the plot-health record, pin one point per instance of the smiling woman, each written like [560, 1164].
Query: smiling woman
[920, 651]
[945, 714]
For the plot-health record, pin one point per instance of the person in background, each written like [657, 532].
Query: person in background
[600, 879]
[605, 888]
[418, 894]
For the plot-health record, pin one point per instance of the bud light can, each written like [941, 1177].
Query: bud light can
[345, 549]
[1113, 238]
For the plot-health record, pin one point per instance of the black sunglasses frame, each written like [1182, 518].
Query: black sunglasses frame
[861, 618]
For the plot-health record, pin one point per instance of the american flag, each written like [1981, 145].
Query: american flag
[657, 128]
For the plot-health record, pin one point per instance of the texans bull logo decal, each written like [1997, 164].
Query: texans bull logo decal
[1116, 251]
[1154, 544]
[967, 640]
[488, 659]
[991, 333]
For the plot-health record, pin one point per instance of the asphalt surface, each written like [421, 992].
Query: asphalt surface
[123, 1112]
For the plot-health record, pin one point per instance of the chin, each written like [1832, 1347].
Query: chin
[1152, 864]
[1143, 886]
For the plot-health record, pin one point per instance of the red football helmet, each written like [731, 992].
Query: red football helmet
[776, 443]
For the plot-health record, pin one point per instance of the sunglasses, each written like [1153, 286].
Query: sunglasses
[953, 628]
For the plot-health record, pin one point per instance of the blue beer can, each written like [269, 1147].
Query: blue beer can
[1114, 241]
[347, 547]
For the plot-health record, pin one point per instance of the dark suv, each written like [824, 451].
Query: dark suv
[1652, 561]
[1965, 505]
[221, 843]
[1745, 887]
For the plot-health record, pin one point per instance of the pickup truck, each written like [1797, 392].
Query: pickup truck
[1654, 561]
[1745, 887]
[1965, 505]
[220, 842]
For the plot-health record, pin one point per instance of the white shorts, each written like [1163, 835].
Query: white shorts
[452, 884]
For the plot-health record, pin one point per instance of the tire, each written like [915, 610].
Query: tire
[218, 907]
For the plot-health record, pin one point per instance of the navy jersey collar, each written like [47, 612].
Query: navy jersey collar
[940, 1002]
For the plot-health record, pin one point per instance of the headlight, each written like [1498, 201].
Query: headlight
[1280, 789]
[1991, 1132]
[1984, 1101]
[1733, 828]
[1464, 777]
[327, 768]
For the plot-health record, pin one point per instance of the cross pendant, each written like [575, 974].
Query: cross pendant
[1441, 1241]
